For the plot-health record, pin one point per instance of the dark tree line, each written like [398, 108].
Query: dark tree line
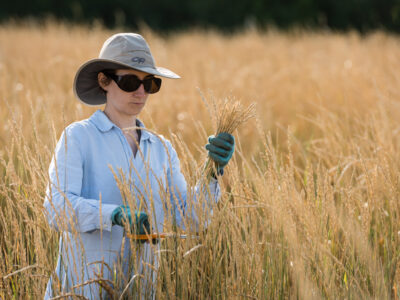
[227, 15]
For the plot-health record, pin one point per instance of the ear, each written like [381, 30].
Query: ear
[102, 80]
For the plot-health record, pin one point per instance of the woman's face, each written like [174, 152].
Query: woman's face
[125, 103]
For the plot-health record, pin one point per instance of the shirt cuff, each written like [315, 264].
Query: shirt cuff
[106, 211]
[214, 188]
[213, 181]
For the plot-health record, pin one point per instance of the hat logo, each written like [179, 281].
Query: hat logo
[139, 60]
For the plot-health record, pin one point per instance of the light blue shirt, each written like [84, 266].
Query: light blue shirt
[92, 161]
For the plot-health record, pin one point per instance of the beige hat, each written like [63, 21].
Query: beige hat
[120, 51]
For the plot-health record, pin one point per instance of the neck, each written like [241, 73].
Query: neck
[121, 120]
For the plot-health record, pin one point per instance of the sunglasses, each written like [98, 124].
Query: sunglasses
[130, 83]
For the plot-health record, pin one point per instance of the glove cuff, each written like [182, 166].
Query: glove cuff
[114, 216]
[220, 172]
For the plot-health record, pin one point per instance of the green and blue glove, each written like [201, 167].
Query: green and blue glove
[220, 149]
[138, 223]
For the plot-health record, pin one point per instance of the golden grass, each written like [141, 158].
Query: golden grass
[310, 204]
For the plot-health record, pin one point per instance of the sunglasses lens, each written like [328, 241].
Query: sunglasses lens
[152, 85]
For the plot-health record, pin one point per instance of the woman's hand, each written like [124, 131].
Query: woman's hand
[122, 215]
[220, 149]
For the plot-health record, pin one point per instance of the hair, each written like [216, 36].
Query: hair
[106, 80]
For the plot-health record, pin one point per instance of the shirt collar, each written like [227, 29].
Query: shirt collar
[146, 135]
[103, 123]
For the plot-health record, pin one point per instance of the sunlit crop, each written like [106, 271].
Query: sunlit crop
[310, 205]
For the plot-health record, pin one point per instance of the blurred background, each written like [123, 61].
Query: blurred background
[226, 15]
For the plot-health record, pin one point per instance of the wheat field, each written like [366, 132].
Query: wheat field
[310, 205]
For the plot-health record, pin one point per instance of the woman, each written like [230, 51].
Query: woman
[97, 158]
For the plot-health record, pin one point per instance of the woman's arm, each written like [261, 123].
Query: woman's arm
[184, 203]
[65, 209]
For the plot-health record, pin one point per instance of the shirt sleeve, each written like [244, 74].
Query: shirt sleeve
[65, 208]
[185, 203]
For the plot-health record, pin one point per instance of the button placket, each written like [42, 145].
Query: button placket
[134, 163]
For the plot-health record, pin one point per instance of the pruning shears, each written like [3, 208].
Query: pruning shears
[157, 236]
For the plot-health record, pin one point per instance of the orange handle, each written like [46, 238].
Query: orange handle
[153, 236]
[148, 236]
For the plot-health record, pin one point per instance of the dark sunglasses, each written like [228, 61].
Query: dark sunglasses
[130, 82]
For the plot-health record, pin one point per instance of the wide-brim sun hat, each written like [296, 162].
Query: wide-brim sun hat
[120, 51]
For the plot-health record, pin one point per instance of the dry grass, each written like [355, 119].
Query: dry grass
[310, 204]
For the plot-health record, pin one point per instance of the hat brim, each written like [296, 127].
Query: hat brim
[86, 87]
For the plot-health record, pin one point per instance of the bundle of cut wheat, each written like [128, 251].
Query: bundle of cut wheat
[227, 115]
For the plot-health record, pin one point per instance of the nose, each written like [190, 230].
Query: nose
[140, 91]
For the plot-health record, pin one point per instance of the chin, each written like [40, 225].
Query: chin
[132, 112]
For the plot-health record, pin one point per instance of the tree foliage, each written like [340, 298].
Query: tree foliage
[226, 15]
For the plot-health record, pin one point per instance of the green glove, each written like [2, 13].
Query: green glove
[122, 214]
[142, 223]
[220, 149]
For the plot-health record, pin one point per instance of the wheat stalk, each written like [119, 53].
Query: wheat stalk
[227, 115]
